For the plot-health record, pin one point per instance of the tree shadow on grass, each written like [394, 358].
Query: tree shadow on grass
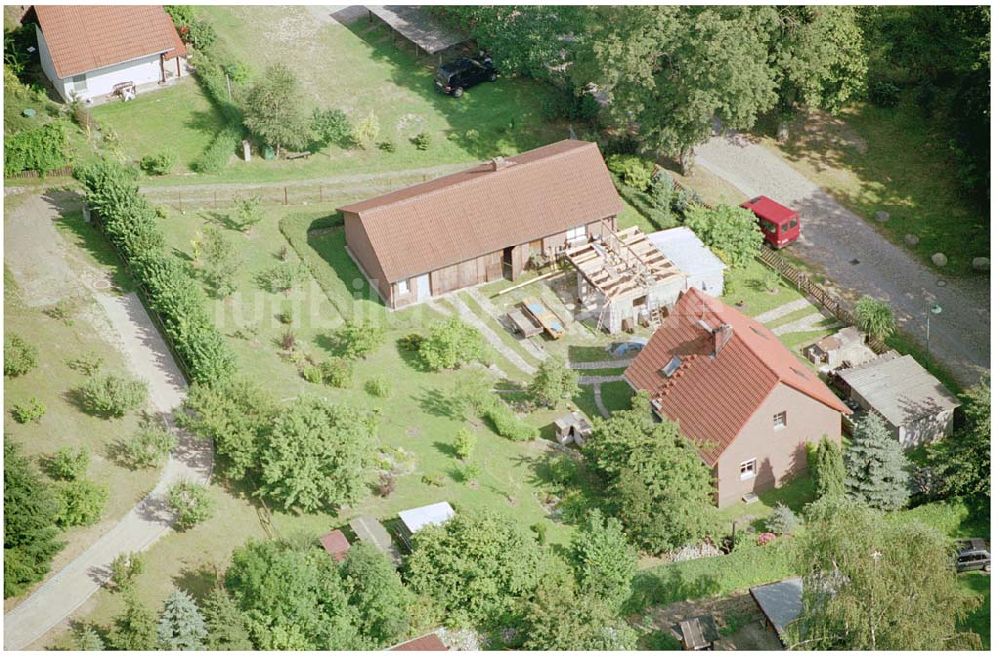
[665, 585]
[199, 580]
[438, 403]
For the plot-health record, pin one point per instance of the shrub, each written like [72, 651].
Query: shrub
[465, 442]
[312, 374]
[366, 132]
[68, 464]
[331, 127]
[181, 15]
[422, 141]
[158, 164]
[282, 277]
[88, 364]
[358, 339]
[112, 395]
[19, 357]
[39, 149]
[875, 317]
[632, 170]
[124, 570]
[728, 229]
[200, 34]
[378, 386]
[553, 382]
[883, 93]
[288, 340]
[337, 372]
[661, 190]
[684, 200]
[247, 212]
[28, 411]
[148, 448]
[469, 472]
[386, 484]
[450, 344]
[782, 520]
[387, 146]
[436, 480]
[506, 422]
[285, 316]
[191, 504]
[81, 502]
[220, 150]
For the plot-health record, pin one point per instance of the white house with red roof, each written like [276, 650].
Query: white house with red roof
[746, 401]
[95, 52]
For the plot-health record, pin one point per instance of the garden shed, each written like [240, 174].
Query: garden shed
[370, 530]
[682, 247]
[780, 602]
[335, 544]
[417, 26]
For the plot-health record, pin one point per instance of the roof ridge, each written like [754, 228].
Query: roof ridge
[473, 169]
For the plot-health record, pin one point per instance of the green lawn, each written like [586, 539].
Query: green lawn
[358, 70]
[874, 159]
[979, 620]
[745, 292]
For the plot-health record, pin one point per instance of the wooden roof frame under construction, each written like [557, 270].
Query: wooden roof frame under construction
[622, 264]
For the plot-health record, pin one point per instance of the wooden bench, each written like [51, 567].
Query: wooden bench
[523, 324]
[545, 317]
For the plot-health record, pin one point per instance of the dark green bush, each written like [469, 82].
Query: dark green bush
[148, 448]
[68, 464]
[331, 127]
[633, 170]
[31, 410]
[158, 164]
[422, 141]
[200, 34]
[190, 503]
[337, 372]
[81, 502]
[19, 357]
[884, 93]
[506, 422]
[113, 396]
[220, 150]
[40, 149]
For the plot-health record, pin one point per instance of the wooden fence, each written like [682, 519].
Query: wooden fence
[800, 279]
[55, 173]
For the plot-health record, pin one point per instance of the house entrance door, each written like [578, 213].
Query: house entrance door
[508, 263]
[423, 287]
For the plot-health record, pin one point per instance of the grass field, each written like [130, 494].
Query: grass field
[858, 156]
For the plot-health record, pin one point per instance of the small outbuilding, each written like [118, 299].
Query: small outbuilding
[370, 530]
[433, 514]
[846, 347]
[417, 26]
[427, 642]
[336, 545]
[917, 407]
[573, 428]
[780, 602]
[703, 269]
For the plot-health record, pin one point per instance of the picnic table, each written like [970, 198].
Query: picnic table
[699, 633]
[545, 317]
[524, 324]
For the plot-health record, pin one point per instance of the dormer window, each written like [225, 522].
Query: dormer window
[671, 368]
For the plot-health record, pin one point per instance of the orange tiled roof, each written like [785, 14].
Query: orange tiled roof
[84, 38]
[711, 397]
[482, 210]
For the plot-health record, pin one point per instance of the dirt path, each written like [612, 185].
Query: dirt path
[37, 256]
[859, 259]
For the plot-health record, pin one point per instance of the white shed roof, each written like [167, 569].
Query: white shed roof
[900, 389]
[682, 247]
[432, 514]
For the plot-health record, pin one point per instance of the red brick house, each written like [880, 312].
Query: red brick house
[737, 392]
[481, 224]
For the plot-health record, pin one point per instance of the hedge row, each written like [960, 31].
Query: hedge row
[129, 221]
[41, 149]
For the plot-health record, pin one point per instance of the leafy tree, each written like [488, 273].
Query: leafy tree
[125, 568]
[149, 447]
[860, 591]
[225, 625]
[317, 455]
[331, 127]
[181, 625]
[474, 567]
[827, 461]
[963, 459]
[465, 442]
[86, 638]
[236, 415]
[358, 339]
[190, 503]
[876, 466]
[553, 383]
[248, 211]
[134, 628]
[19, 357]
[112, 395]
[605, 561]
[375, 590]
[450, 344]
[875, 317]
[273, 109]
[68, 463]
[559, 618]
[293, 597]
[782, 520]
[81, 502]
[220, 262]
[656, 482]
[29, 522]
[728, 229]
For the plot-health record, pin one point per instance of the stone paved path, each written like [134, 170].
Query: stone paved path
[599, 401]
[782, 310]
[602, 364]
[488, 305]
[807, 323]
[604, 378]
[495, 341]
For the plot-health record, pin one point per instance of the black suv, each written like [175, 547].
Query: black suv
[455, 77]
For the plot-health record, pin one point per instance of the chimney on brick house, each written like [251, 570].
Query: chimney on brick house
[500, 163]
[721, 335]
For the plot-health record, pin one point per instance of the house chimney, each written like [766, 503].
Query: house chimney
[722, 334]
[500, 163]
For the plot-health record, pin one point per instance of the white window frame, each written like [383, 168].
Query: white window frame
[781, 418]
[403, 287]
[576, 234]
[748, 469]
[79, 82]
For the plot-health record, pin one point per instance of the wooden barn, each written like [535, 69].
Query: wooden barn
[481, 224]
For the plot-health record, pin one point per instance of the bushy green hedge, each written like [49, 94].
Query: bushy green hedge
[40, 149]
[129, 221]
[215, 158]
[506, 422]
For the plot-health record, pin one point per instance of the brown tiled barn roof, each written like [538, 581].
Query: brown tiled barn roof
[711, 397]
[84, 38]
[488, 207]
[428, 642]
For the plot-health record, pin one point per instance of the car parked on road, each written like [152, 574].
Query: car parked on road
[972, 554]
[455, 77]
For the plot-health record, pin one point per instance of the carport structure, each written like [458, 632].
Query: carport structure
[418, 27]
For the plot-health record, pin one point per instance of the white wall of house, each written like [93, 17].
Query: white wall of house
[99, 83]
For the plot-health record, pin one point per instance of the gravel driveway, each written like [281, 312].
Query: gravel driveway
[860, 260]
[46, 270]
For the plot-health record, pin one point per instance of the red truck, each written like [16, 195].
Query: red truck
[779, 224]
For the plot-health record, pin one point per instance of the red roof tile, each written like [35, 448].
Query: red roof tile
[83, 38]
[483, 209]
[427, 642]
[336, 544]
[711, 397]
